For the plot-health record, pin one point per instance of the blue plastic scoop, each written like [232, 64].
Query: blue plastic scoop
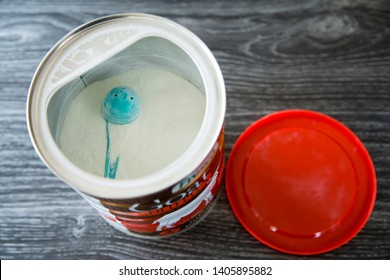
[121, 106]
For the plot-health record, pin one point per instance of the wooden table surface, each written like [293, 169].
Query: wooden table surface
[328, 56]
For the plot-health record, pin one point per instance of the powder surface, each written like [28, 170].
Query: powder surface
[171, 114]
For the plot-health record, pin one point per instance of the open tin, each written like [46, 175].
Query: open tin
[170, 199]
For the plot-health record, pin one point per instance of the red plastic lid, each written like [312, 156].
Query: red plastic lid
[301, 182]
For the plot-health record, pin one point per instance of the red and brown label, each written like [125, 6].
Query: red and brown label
[172, 209]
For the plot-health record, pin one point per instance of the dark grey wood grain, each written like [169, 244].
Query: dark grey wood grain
[328, 56]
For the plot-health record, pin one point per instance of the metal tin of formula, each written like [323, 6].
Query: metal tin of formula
[173, 198]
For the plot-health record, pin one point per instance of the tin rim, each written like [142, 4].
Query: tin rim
[62, 167]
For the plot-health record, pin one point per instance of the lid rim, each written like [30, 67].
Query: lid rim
[238, 207]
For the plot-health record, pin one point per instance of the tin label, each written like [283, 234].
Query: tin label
[171, 210]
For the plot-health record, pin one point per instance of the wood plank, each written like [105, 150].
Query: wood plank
[328, 56]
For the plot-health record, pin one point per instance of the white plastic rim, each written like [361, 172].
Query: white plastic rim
[55, 71]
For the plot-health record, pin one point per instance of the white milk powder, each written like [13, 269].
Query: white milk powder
[171, 113]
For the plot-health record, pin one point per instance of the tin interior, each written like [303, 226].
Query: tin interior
[149, 52]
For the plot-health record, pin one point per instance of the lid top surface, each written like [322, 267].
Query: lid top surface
[300, 182]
